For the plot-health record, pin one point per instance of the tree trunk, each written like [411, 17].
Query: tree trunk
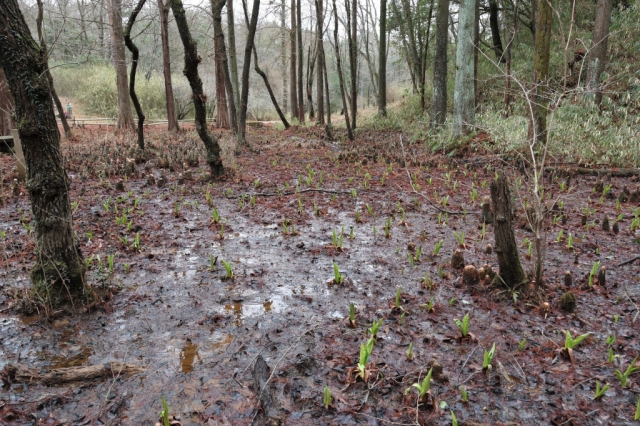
[262, 74]
[125, 117]
[191, 61]
[246, 64]
[58, 274]
[538, 128]
[353, 61]
[511, 272]
[339, 64]
[507, 84]
[293, 85]
[216, 7]
[328, 129]
[382, 65]
[598, 53]
[495, 30]
[464, 103]
[45, 54]
[172, 117]
[283, 55]
[300, 62]
[134, 66]
[320, 59]
[439, 104]
[222, 117]
[233, 64]
[311, 62]
[424, 48]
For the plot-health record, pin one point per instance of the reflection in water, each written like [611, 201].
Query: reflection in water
[267, 306]
[218, 342]
[236, 307]
[241, 310]
[188, 354]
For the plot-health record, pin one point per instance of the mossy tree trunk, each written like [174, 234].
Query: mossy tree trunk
[191, 62]
[58, 274]
[511, 272]
[134, 66]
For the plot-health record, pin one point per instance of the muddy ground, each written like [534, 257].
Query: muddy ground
[167, 306]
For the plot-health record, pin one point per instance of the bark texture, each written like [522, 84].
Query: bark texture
[293, 89]
[464, 101]
[439, 104]
[191, 62]
[6, 106]
[382, 65]
[172, 116]
[217, 6]
[222, 113]
[494, 23]
[300, 62]
[134, 66]
[18, 373]
[125, 116]
[58, 274]
[339, 65]
[233, 59]
[244, 95]
[598, 52]
[544, 17]
[320, 61]
[511, 272]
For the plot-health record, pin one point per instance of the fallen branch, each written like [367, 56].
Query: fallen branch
[19, 373]
[595, 172]
[626, 262]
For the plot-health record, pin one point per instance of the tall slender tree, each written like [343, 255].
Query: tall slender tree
[339, 69]
[227, 74]
[439, 104]
[320, 62]
[300, 62]
[382, 62]
[598, 53]
[191, 62]
[464, 103]
[172, 116]
[246, 64]
[233, 60]
[134, 66]
[219, 55]
[293, 87]
[58, 273]
[283, 55]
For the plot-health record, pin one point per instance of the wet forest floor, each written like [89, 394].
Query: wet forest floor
[281, 220]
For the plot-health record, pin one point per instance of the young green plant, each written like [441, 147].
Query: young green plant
[423, 388]
[463, 325]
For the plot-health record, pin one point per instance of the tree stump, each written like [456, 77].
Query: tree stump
[511, 273]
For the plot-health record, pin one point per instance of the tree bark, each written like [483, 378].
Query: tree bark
[353, 61]
[217, 6]
[598, 53]
[311, 62]
[172, 116]
[320, 59]
[511, 272]
[464, 103]
[328, 129]
[58, 274]
[341, 79]
[244, 96]
[300, 62]
[191, 61]
[507, 85]
[293, 88]
[222, 116]
[538, 127]
[439, 103]
[45, 54]
[134, 66]
[495, 31]
[283, 55]
[233, 64]
[125, 117]
[382, 65]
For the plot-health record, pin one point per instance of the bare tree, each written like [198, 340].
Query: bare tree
[300, 62]
[191, 61]
[320, 60]
[339, 65]
[507, 84]
[233, 61]
[58, 274]
[294, 67]
[495, 30]
[134, 66]
[382, 62]
[283, 55]
[172, 117]
[541, 70]
[227, 75]
[244, 96]
[222, 117]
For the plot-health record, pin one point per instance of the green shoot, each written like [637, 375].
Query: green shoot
[616, 318]
[611, 339]
[369, 209]
[629, 371]
[570, 343]
[452, 301]
[338, 278]
[427, 281]
[464, 394]
[463, 325]
[423, 388]
[387, 228]
[164, 414]
[560, 234]
[110, 259]
[127, 268]
[459, 237]
[358, 220]
[570, 242]
[212, 262]
[228, 267]
[300, 206]
[637, 415]
[600, 391]
[522, 344]
[593, 272]
[375, 326]
[488, 357]
[611, 356]
[428, 306]
[327, 397]
[365, 354]
[410, 351]
[398, 297]
[454, 421]
[215, 216]
[352, 313]
[437, 247]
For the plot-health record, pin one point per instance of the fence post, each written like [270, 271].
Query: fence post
[17, 151]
